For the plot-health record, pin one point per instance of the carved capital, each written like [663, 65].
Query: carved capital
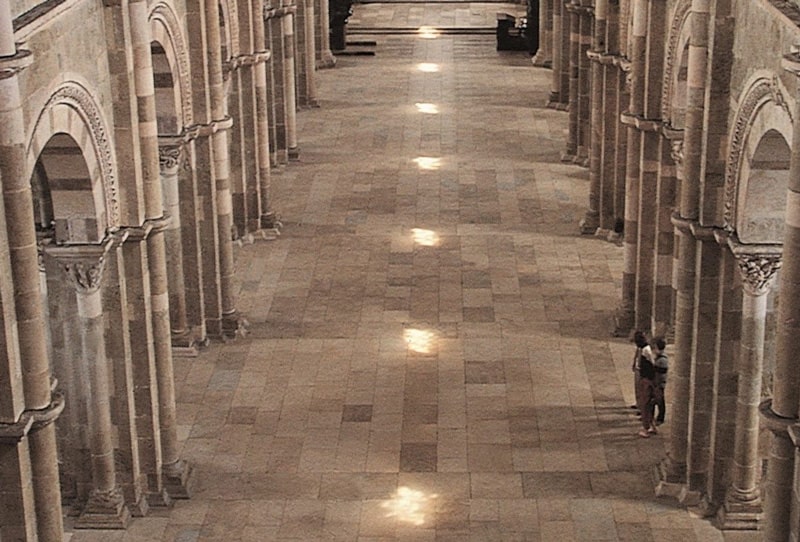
[758, 272]
[758, 264]
[169, 156]
[791, 60]
[82, 264]
[676, 152]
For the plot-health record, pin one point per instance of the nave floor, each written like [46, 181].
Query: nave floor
[430, 354]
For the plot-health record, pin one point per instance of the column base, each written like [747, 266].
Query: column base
[326, 60]
[233, 325]
[189, 343]
[589, 223]
[568, 156]
[614, 237]
[159, 499]
[293, 154]
[581, 159]
[104, 510]
[670, 479]
[311, 103]
[740, 516]
[140, 508]
[623, 322]
[540, 61]
[178, 479]
[553, 101]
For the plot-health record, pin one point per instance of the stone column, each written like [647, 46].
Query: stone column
[544, 55]
[310, 64]
[585, 13]
[781, 412]
[742, 508]
[268, 221]
[673, 469]
[290, 83]
[175, 472]
[671, 144]
[572, 9]
[322, 31]
[83, 269]
[559, 93]
[169, 158]
[22, 253]
[638, 44]
[278, 135]
[118, 352]
[591, 219]
[230, 323]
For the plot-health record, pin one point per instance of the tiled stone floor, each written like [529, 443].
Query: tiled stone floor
[430, 355]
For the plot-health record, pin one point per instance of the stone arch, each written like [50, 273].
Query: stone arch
[673, 96]
[170, 57]
[757, 172]
[229, 29]
[71, 164]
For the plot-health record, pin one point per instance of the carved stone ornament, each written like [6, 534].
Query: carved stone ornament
[85, 275]
[76, 97]
[673, 56]
[758, 271]
[676, 152]
[169, 156]
[760, 92]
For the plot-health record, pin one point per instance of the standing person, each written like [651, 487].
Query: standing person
[646, 389]
[661, 364]
[642, 348]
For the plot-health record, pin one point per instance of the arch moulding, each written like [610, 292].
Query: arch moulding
[764, 88]
[72, 110]
[673, 56]
[167, 30]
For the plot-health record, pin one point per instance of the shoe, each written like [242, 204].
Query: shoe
[643, 434]
[634, 407]
[659, 422]
[652, 431]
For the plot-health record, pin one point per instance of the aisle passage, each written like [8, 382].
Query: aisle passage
[429, 354]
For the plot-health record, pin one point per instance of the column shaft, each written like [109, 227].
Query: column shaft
[23, 256]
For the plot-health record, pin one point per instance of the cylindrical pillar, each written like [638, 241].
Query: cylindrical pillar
[782, 410]
[169, 161]
[22, 253]
[289, 84]
[742, 508]
[83, 268]
[325, 58]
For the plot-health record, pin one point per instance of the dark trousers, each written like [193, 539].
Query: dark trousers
[660, 404]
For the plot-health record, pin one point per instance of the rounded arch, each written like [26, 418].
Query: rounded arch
[71, 163]
[170, 56]
[673, 96]
[229, 29]
[757, 171]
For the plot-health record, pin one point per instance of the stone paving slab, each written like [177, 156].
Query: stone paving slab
[430, 353]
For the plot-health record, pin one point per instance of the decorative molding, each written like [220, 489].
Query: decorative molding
[676, 152]
[77, 98]
[12, 65]
[83, 265]
[32, 420]
[758, 264]
[758, 272]
[169, 155]
[777, 425]
[197, 131]
[673, 56]
[245, 60]
[761, 92]
[274, 13]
